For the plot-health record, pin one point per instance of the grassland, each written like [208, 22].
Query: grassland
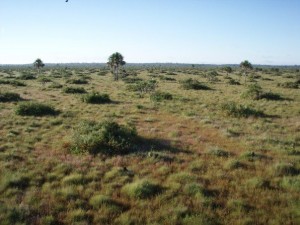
[207, 151]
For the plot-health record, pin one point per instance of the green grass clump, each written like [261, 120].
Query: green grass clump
[55, 85]
[44, 79]
[107, 137]
[97, 201]
[254, 92]
[35, 109]
[194, 190]
[160, 96]
[74, 179]
[141, 189]
[233, 109]
[257, 182]
[74, 90]
[234, 164]
[9, 97]
[96, 98]
[271, 96]
[291, 183]
[191, 84]
[218, 152]
[285, 169]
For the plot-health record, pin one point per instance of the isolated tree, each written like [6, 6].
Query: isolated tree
[115, 61]
[246, 67]
[38, 63]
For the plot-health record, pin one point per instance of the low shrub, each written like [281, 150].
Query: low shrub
[254, 92]
[218, 152]
[77, 81]
[44, 79]
[233, 109]
[285, 169]
[13, 83]
[143, 87]
[74, 90]
[141, 189]
[233, 82]
[106, 137]
[96, 98]
[35, 109]
[9, 97]
[271, 96]
[160, 96]
[27, 77]
[55, 85]
[190, 84]
[131, 80]
[293, 85]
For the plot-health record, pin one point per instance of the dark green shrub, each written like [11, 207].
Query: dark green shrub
[96, 98]
[35, 109]
[13, 83]
[107, 137]
[161, 77]
[270, 96]
[293, 85]
[74, 90]
[130, 80]
[77, 81]
[27, 77]
[285, 169]
[44, 79]
[233, 82]
[160, 96]
[9, 97]
[232, 109]
[189, 84]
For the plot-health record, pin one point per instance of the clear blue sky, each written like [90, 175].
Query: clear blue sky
[178, 31]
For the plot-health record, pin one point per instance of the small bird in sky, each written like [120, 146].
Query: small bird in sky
[67, 0]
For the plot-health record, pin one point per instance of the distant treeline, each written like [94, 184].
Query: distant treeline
[143, 65]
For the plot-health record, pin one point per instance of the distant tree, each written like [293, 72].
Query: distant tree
[228, 70]
[38, 63]
[246, 66]
[115, 61]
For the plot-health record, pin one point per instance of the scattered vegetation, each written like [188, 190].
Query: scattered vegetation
[233, 109]
[191, 84]
[74, 90]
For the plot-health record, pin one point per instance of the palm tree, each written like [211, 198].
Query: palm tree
[115, 61]
[246, 66]
[38, 63]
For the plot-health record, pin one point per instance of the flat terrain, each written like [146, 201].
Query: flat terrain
[225, 155]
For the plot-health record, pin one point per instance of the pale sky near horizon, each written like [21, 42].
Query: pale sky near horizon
[177, 31]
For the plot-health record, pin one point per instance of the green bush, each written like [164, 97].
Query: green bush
[293, 85]
[44, 79]
[190, 84]
[13, 83]
[9, 97]
[271, 96]
[142, 189]
[27, 77]
[285, 169]
[254, 92]
[160, 96]
[143, 87]
[96, 98]
[74, 90]
[55, 85]
[107, 137]
[77, 81]
[35, 109]
[232, 109]
[233, 82]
